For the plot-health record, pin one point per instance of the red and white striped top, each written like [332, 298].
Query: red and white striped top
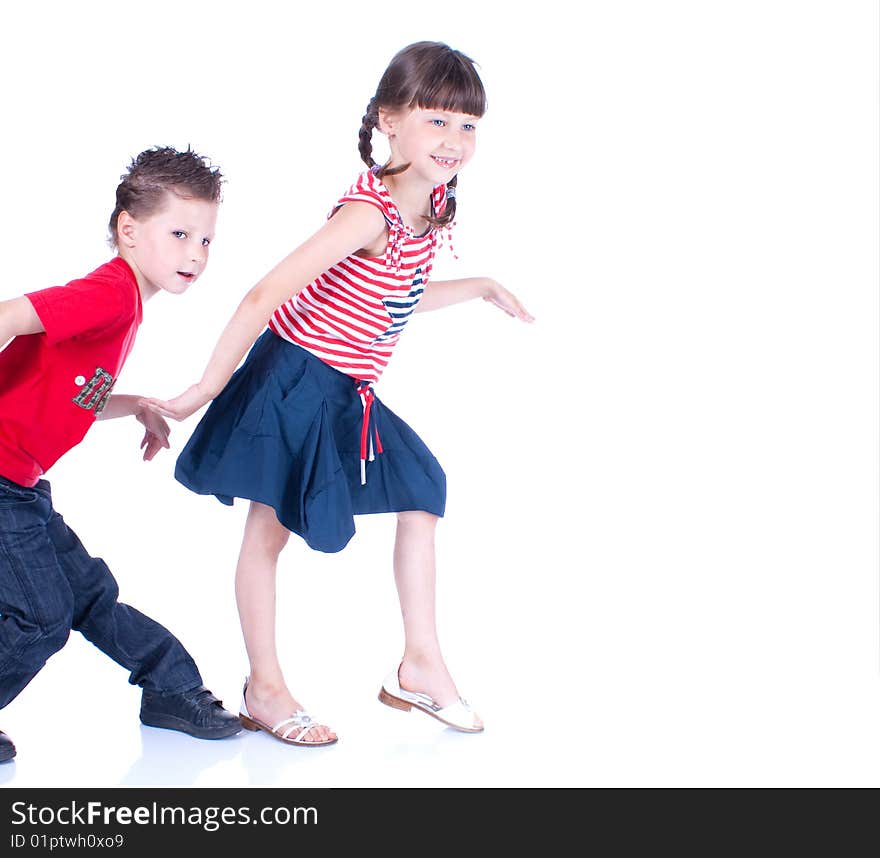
[351, 316]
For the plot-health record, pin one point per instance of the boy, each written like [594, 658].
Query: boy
[56, 377]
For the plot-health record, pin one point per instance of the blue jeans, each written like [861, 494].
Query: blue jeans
[49, 585]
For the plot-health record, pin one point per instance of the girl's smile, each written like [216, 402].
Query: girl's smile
[436, 144]
[447, 163]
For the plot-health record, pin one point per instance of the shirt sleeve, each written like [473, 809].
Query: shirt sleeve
[362, 191]
[78, 308]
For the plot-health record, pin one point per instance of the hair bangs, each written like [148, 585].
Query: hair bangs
[456, 88]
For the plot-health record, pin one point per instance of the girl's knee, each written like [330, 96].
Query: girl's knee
[264, 530]
[417, 518]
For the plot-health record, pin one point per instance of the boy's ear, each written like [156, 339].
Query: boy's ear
[126, 228]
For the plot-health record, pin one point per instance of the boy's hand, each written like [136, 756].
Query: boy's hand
[499, 296]
[179, 408]
[156, 436]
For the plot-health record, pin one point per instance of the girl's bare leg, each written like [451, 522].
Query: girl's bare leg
[422, 668]
[268, 698]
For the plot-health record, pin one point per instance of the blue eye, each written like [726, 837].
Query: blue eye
[469, 126]
[206, 242]
[178, 233]
[438, 123]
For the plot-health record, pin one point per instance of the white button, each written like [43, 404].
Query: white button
[79, 380]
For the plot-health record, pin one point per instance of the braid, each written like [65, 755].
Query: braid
[448, 215]
[428, 75]
[365, 141]
[365, 135]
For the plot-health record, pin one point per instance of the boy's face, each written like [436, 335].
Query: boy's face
[169, 249]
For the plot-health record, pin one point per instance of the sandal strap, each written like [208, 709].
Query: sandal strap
[300, 719]
[454, 711]
[299, 738]
[459, 713]
[419, 698]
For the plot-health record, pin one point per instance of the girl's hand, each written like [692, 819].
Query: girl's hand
[499, 296]
[156, 435]
[179, 408]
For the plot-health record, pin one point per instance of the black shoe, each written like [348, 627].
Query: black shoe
[197, 712]
[7, 749]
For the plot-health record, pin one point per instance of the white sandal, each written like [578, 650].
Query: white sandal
[458, 715]
[300, 719]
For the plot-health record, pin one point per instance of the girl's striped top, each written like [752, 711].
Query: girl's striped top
[351, 316]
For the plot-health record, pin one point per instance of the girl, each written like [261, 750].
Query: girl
[298, 430]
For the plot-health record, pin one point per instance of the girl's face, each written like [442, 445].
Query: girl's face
[435, 143]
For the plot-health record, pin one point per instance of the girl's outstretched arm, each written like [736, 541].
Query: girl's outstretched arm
[354, 226]
[444, 293]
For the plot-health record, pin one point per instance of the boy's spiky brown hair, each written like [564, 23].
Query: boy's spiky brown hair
[158, 171]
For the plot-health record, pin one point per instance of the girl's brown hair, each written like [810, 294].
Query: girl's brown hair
[157, 171]
[427, 75]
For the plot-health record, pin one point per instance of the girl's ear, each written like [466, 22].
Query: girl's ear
[126, 228]
[387, 123]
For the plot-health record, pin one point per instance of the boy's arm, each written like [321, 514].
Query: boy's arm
[445, 293]
[157, 430]
[17, 318]
[120, 405]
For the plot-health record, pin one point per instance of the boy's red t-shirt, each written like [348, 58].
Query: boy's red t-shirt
[53, 385]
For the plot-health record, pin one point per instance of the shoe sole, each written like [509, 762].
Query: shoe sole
[406, 706]
[169, 722]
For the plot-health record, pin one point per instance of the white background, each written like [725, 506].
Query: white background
[660, 560]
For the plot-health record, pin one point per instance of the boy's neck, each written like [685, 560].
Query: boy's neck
[146, 288]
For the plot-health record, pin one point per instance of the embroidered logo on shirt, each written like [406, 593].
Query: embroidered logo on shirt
[94, 394]
[400, 309]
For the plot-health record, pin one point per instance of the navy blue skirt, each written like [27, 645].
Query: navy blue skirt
[286, 431]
